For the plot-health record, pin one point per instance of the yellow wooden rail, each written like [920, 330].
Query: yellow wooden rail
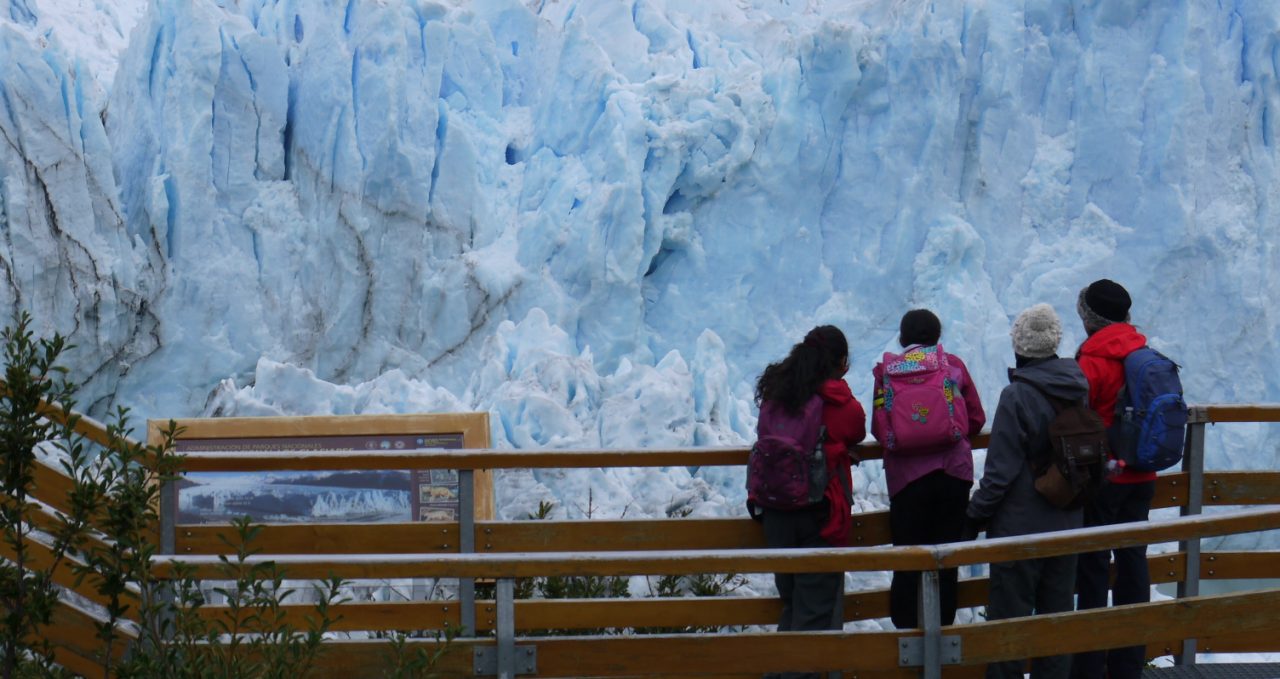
[862, 654]
[602, 535]
[714, 611]
[923, 557]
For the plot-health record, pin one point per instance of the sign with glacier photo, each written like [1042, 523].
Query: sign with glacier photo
[351, 495]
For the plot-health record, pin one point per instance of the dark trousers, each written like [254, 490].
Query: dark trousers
[810, 601]
[1033, 586]
[928, 511]
[1114, 503]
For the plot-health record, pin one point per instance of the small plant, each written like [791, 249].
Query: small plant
[119, 486]
[250, 637]
[105, 535]
[405, 661]
[696, 585]
[33, 382]
[572, 586]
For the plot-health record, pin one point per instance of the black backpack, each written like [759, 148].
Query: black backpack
[1072, 468]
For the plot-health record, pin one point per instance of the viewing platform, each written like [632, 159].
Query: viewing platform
[724, 636]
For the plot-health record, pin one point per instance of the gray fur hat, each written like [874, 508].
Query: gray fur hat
[1036, 332]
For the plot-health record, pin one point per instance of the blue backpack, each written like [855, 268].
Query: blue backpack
[1151, 417]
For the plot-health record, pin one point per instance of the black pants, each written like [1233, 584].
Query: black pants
[928, 511]
[1114, 503]
[1032, 586]
[810, 601]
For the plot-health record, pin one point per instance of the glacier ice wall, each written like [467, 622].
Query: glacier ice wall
[555, 211]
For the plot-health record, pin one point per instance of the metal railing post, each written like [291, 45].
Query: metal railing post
[1193, 464]
[506, 628]
[467, 545]
[168, 516]
[930, 614]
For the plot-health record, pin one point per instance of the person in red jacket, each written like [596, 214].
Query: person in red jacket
[813, 601]
[1126, 496]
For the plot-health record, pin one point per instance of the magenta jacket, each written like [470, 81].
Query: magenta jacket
[903, 467]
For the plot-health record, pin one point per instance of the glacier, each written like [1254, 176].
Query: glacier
[598, 220]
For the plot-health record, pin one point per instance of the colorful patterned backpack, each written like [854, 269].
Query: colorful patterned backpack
[917, 405]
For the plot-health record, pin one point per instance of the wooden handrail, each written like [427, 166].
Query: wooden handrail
[85, 426]
[592, 535]
[866, 653]
[926, 557]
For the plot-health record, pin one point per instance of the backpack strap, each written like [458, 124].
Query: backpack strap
[1042, 457]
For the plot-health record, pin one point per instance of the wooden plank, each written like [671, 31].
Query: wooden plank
[327, 538]
[1228, 623]
[756, 560]
[574, 563]
[51, 486]
[85, 426]
[473, 426]
[73, 633]
[1170, 490]
[1240, 565]
[1118, 626]
[464, 459]
[44, 520]
[581, 614]
[1241, 412]
[660, 655]
[478, 458]
[1107, 537]
[617, 535]
[870, 528]
[1242, 488]
[1258, 641]
[41, 558]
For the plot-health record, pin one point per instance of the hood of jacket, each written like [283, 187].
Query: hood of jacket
[1057, 377]
[835, 392]
[1114, 341]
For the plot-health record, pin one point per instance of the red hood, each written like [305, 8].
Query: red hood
[835, 392]
[1114, 341]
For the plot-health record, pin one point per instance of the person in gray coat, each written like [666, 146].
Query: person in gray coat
[1006, 502]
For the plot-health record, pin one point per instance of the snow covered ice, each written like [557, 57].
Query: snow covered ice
[599, 220]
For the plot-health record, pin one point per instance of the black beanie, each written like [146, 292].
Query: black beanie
[1108, 299]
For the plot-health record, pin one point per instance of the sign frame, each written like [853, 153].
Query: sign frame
[473, 427]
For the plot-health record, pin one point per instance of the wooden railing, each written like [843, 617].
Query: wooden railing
[520, 549]
[863, 653]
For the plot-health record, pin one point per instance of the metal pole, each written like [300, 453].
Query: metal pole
[930, 613]
[168, 545]
[467, 545]
[1193, 464]
[506, 628]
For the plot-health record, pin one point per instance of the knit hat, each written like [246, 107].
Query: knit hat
[1036, 332]
[1102, 303]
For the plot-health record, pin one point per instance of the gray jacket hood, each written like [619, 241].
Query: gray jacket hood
[1057, 377]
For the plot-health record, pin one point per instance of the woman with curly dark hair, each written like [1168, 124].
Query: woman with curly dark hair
[814, 369]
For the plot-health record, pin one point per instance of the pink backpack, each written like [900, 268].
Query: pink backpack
[917, 404]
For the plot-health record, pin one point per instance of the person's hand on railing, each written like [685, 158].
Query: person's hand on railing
[969, 531]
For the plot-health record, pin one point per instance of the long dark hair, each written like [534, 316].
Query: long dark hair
[792, 381]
